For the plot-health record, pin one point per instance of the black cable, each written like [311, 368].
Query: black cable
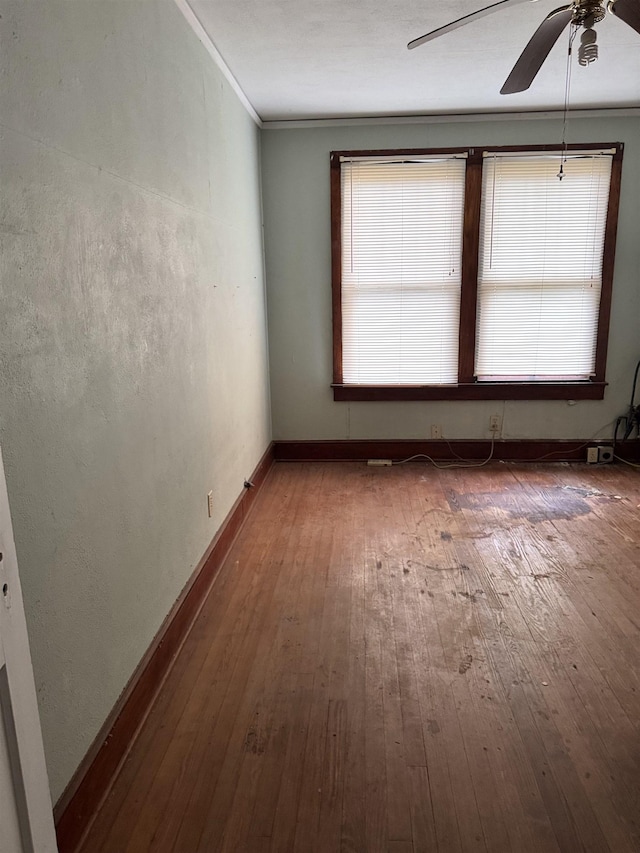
[633, 387]
[633, 418]
[619, 420]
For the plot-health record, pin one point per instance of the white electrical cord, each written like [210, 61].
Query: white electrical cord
[630, 464]
[462, 464]
[579, 447]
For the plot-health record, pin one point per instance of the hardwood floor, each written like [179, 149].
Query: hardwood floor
[407, 660]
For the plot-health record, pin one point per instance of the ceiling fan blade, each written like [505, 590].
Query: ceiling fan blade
[466, 19]
[628, 11]
[535, 53]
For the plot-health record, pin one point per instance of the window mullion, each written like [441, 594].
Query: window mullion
[469, 288]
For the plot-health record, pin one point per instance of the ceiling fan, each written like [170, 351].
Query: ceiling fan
[585, 13]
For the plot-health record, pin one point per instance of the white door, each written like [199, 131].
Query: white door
[26, 819]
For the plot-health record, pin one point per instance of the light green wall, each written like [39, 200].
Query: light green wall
[133, 359]
[298, 251]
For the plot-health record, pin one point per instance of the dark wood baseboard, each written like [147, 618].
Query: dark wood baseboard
[90, 784]
[504, 450]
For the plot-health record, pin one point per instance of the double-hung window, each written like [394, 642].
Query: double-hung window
[473, 274]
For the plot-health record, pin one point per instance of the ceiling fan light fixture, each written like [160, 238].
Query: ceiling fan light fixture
[588, 51]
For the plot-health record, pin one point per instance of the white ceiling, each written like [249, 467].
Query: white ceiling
[304, 59]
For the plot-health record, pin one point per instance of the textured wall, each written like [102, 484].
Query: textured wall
[298, 251]
[133, 369]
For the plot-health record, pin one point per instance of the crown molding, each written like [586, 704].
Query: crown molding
[444, 118]
[214, 53]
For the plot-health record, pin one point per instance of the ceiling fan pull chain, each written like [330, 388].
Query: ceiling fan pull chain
[567, 90]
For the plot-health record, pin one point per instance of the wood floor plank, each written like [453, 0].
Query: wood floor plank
[399, 748]
[401, 847]
[353, 777]
[379, 621]
[404, 659]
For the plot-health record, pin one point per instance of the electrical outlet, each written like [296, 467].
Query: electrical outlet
[210, 504]
[605, 453]
[495, 424]
[592, 455]
[436, 431]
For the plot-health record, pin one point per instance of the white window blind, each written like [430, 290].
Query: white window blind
[540, 271]
[401, 270]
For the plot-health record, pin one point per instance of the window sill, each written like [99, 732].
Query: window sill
[472, 391]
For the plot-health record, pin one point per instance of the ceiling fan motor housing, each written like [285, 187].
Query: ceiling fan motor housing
[588, 12]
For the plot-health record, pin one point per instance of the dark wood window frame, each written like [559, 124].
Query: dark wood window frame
[467, 387]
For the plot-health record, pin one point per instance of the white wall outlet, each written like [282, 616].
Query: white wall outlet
[436, 431]
[210, 504]
[592, 455]
[495, 425]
